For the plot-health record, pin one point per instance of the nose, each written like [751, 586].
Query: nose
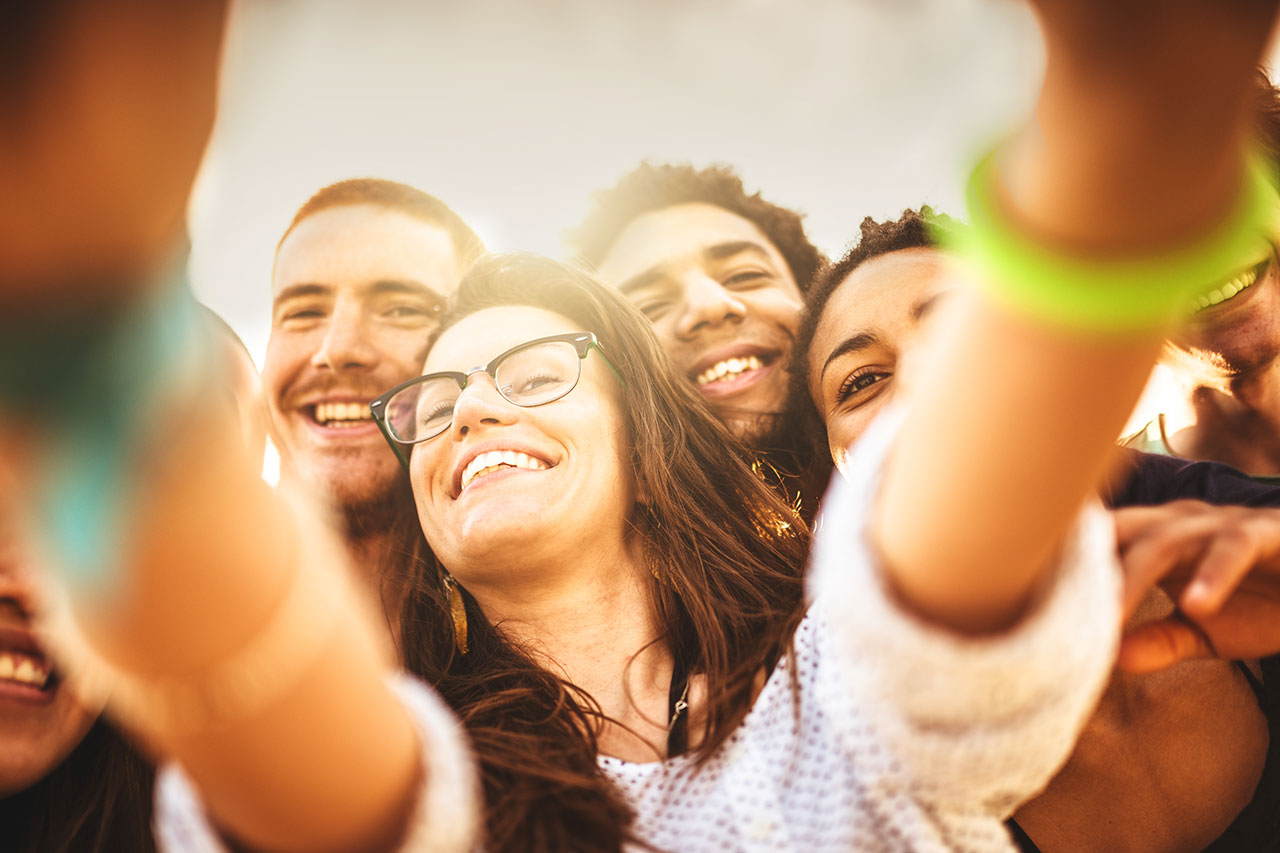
[17, 585]
[707, 304]
[480, 405]
[347, 343]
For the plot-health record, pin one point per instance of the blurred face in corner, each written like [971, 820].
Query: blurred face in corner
[41, 720]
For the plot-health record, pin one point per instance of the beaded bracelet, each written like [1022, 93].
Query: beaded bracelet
[1114, 295]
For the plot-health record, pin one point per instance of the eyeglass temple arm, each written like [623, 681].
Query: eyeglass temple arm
[609, 364]
[380, 418]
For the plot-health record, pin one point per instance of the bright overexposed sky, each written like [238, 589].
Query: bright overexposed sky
[514, 111]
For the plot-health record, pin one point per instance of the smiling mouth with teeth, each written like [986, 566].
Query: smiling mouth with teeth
[341, 415]
[26, 670]
[496, 460]
[730, 368]
[1229, 290]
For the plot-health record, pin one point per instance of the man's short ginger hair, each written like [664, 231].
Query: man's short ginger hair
[401, 198]
[655, 186]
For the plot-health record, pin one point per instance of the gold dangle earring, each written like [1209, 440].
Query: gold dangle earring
[457, 610]
[655, 568]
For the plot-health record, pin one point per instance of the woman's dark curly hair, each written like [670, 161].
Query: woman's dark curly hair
[654, 186]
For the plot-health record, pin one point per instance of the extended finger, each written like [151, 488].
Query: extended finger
[1161, 549]
[1132, 521]
[1236, 549]
[1160, 644]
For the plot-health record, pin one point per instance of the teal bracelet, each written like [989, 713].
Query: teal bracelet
[1114, 295]
[94, 387]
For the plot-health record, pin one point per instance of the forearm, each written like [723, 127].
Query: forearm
[967, 526]
[328, 760]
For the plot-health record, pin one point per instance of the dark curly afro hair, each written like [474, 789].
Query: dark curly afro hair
[654, 186]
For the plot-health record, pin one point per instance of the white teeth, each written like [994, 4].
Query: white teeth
[23, 669]
[487, 463]
[1226, 291]
[728, 369]
[344, 414]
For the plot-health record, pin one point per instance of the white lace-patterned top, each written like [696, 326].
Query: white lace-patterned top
[900, 737]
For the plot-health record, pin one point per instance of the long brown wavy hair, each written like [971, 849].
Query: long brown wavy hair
[98, 800]
[728, 558]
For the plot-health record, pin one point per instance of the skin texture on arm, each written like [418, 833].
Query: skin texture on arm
[1137, 150]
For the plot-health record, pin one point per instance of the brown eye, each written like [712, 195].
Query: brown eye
[859, 381]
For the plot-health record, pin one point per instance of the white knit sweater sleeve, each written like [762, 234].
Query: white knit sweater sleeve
[975, 726]
[445, 817]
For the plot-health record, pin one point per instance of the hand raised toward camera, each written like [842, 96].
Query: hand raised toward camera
[1220, 564]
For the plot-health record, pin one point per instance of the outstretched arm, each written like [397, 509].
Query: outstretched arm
[310, 750]
[1136, 150]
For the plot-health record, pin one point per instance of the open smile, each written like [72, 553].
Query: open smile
[1230, 290]
[491, 463]
[339, 418]
[726, 374]
[25, 673]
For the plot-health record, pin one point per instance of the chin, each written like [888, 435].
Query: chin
[347, 482]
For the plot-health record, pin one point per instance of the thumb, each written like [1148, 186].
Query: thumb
[1160, 644]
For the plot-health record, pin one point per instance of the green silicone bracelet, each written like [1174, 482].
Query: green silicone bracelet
[1112, 295]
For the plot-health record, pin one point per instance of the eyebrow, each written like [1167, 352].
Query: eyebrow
[720, 251]
[295, 291]
[406, 286]
[856, 343]
[926, 305]
[715, 252]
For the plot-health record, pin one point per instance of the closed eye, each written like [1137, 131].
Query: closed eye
[301, 314]
[413, 311]
[653, 308]
[746, 279]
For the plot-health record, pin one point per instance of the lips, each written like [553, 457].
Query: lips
[732, 370]
[339, 417]
[492, 458]
[1230, 290]
[25, 673]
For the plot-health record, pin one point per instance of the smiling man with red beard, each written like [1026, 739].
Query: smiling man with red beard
[359, 280]
[720, 272]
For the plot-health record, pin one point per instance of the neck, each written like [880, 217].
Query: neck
[374, 533]
[373, 556]
[1231, 419]
[592, 624]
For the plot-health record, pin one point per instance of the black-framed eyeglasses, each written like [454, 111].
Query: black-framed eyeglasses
[533, 373]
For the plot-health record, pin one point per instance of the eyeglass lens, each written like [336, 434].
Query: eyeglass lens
[530, 376]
